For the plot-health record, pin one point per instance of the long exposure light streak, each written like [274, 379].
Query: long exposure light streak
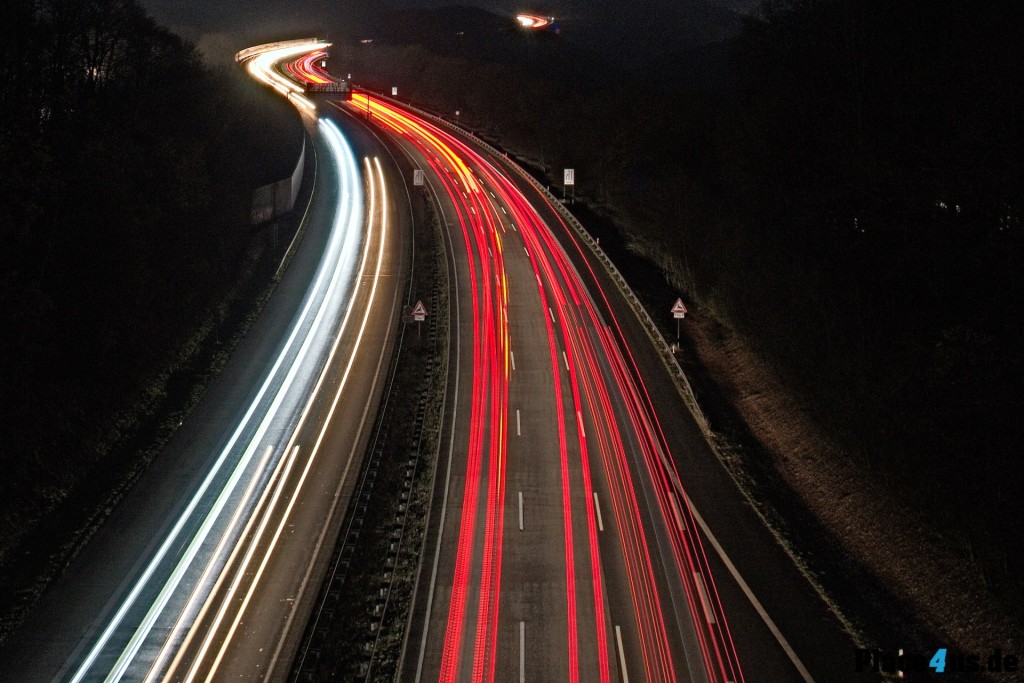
[488, 424]
[534, 21]
[305, 69]
[173, 583]
[377, 185]
[605, 384]
[262, 65]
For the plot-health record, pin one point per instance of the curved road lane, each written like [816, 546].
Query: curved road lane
[563, 554]
[202, 571]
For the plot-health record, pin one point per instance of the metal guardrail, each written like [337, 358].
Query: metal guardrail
[655, 335]
[657, 338]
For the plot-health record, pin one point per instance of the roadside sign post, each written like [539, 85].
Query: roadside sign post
[418, 178]
[678, 312]
[568, 180]
[419, 314]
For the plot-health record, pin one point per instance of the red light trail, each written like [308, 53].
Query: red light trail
[533, 21]
[305, 69]
[622, 433]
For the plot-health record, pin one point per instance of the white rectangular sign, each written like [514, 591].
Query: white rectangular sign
[569, 177]
[417, 177]
[394, 91]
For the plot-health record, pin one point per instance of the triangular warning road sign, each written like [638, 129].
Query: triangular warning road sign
[679, 310]
[419, 309]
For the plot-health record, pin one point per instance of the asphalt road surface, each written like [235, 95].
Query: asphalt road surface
[562, 545]
[581, 530]
[204, 570]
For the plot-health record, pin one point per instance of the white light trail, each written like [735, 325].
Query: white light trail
[534, 21]
[262, 62]
[220, 496]
[338, 149]
[367, 310]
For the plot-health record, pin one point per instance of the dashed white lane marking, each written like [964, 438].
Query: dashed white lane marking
[622, 654]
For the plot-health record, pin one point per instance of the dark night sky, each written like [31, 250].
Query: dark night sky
[611, 26]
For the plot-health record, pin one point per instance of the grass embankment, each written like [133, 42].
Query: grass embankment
[359, 626]
[125, 289]
[137, 435]
[883, 567]
[845, 203]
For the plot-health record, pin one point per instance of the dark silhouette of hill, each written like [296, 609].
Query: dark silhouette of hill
[840, 185]
[639, 33]
[661, 41]
[471, 33]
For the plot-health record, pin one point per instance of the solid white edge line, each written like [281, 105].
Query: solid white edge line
[316, 446]
[269, 675]
[157, 665]
[280, 481]
[787, 648]
[597, 509]
[451, 442]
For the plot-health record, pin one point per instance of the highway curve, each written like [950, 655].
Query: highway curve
[203, 571]
[564, 547]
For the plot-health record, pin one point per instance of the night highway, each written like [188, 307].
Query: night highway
[563, 543]
[565, 548]
[235, 444]
[206, 570]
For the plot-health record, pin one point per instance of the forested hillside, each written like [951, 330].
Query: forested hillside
[880, 175]
[126, 171]
[845, 193]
